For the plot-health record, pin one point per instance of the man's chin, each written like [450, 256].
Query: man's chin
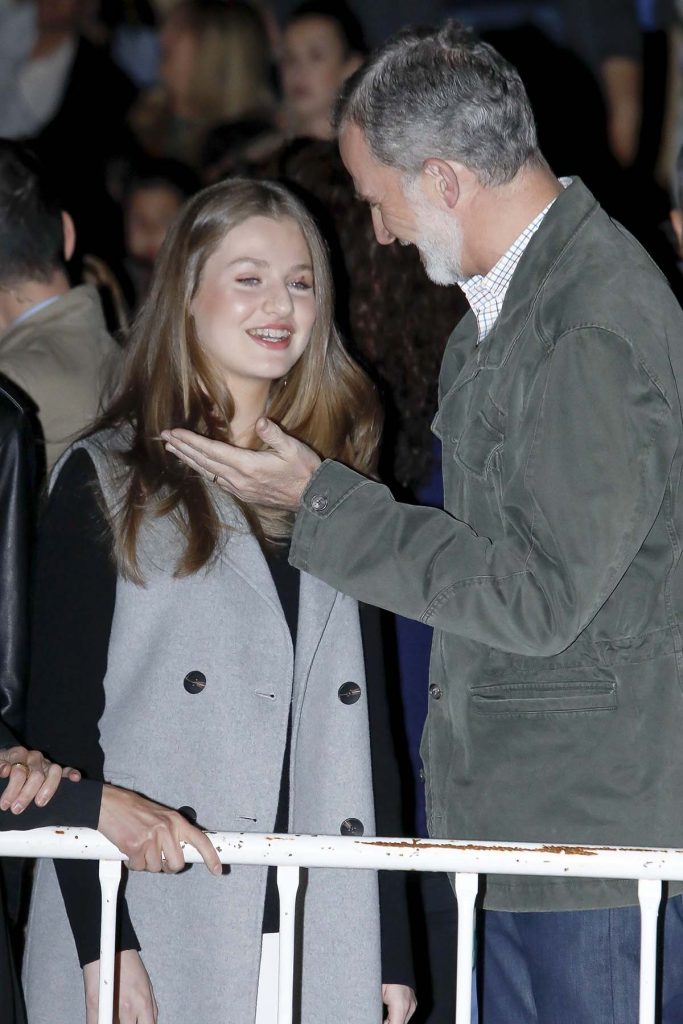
[439, 272]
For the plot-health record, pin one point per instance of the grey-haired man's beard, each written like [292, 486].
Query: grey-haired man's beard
[439, 240]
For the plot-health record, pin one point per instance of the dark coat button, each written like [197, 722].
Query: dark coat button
[349, 693]
[352, 827]
[319, 503]
[435, 692]
[189, 813]
[194, 682]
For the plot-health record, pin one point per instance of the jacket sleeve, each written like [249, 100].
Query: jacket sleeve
[17, 491]
[74, 803]
[74, 593]
[577, 500]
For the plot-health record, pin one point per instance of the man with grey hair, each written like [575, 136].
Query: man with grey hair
[553, 576]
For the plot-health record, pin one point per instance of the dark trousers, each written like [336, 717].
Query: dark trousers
[575, 967]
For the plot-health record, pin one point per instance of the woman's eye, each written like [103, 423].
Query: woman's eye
[302, 286]
[248, 280]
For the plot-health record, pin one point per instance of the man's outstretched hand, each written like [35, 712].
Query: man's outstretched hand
[278, 476]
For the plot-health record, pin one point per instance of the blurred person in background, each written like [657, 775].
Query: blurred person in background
[66, 96]
[53, 338]
[323, 43]
[215, 68]
[153, 193]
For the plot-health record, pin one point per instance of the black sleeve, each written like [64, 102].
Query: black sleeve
[17, 489]
[397, 958]
[73, 606]
[74, 803]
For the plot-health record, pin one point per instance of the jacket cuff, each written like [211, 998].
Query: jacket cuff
[329, 487]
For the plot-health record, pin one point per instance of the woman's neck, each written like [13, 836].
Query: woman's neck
[250, 404]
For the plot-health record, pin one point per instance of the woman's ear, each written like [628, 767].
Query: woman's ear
[69, 231]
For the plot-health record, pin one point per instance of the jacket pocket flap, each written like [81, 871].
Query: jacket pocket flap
[544, 698]
[477, 445]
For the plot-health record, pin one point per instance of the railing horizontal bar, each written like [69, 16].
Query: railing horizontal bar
[383, 853]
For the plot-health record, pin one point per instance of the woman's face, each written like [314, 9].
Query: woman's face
[314, 65]
[255, 306]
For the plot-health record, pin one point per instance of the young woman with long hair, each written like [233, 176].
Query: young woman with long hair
[177, 652]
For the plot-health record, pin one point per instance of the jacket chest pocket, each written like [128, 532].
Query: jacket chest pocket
[481, 440]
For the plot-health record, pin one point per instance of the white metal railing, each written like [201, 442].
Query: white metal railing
[467, 860]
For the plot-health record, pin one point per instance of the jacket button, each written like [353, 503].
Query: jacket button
[349, 693]
[421, 774]
[194, 682]
[435, 692]
[352, 827]
[319, 503]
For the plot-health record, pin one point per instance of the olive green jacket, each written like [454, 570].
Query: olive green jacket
[553, 578]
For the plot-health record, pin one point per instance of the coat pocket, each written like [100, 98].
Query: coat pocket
[544, 698]
[480, 441]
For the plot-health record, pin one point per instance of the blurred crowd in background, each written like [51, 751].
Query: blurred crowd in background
[133, 105]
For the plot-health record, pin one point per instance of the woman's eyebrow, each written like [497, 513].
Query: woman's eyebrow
[265, 263]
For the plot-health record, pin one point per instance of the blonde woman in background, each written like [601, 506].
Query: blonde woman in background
[215, 68]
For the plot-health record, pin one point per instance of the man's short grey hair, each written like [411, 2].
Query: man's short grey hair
[442, 93]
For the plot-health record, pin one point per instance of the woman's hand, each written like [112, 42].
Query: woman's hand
[400, 1002]
[31, 777]
[149, 834]
[134, 1001]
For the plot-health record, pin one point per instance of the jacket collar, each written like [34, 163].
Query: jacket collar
[563, 221]
[80, 305]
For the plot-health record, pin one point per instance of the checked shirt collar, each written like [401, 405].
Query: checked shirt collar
[486, 292]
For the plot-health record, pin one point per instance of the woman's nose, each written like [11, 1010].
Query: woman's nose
[278, 300]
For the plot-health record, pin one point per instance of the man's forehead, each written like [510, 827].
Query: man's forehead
[358, 159]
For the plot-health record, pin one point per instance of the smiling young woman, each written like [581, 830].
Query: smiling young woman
[197, 665]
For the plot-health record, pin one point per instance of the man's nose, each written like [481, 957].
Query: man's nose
[383, 236]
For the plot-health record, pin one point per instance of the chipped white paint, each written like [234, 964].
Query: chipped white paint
[467, 860]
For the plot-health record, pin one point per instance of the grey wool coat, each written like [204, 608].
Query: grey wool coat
[220, 750]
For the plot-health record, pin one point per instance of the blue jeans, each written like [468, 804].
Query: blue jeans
[574, 967]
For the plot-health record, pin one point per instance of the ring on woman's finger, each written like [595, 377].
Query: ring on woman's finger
[20, 764]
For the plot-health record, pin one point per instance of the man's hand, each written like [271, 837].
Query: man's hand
[400, 1003]
[277, 477]
[145, 831]
[134, 1001]
[31, 777]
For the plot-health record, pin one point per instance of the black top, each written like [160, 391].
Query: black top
[73, 609]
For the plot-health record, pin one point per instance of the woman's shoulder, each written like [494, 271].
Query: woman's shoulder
[94, 460]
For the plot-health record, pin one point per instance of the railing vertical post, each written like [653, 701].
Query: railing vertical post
[288, 885]
[466, 888]
[110, 878]
[650, 898]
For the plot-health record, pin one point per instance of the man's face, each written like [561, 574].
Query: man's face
[393, 217]
[401, 212]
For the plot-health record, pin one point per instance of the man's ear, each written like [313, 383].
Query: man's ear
[676, 218]
[69, 230]
[442, 181]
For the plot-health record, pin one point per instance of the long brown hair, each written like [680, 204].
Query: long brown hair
[326, 400]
